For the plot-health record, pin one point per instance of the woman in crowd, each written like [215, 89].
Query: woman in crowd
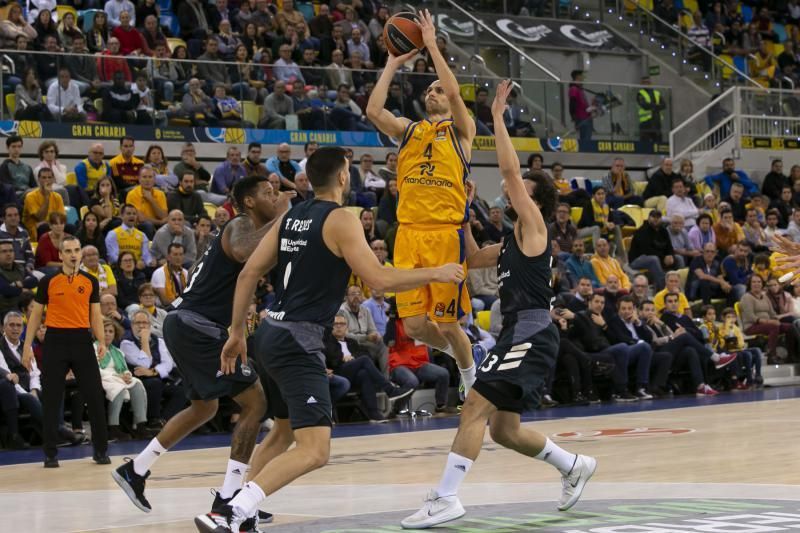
[244, 78]
[120, 386]
[185, 70]
[782, 302]
[254, 42]
[29, 98]
[90, 233]
[44, 27]
[421, 78]
[155, 158]
[202, 234]
[47, 251]
[105, 204]
[97, 38]
[759, 318]
[48, 158]
[147, 303]
[128, 280]
[15, 26]
[732, 341]
[367, 218]
[68, 30]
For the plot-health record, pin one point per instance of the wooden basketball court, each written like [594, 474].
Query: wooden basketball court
[716, 461]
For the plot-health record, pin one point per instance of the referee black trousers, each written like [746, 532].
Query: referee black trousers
[64, 351]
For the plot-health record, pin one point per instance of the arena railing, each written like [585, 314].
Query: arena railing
[616, 108]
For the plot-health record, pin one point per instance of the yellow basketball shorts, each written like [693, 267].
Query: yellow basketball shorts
[419, 246]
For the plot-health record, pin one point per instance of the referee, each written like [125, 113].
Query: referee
[72, 298]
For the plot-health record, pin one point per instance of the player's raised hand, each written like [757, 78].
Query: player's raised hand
[284, 201]
[399, 61]
[449, 273]
[428, 28]
[235, 346]
[501, 96]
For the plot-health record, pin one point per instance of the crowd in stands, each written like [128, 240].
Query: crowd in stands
[680, 292]
[110, 61]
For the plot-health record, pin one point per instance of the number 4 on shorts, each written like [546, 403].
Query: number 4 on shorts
[509, 360]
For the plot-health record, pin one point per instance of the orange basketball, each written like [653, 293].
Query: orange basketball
[402, 34]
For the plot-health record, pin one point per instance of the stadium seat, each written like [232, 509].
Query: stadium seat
[639, 187]
[210, 209]
[165, 5]
[11, 103]
[684, 275]
[251, 111]
[73, 180]
[690, 5]
[467, 92]
[726, 61]
[98, 104]
[63, 10]
[777, 49]
[306, 8]
[633, 211]
[87, 15]
[740, 62]
[747, 13]
[575, 214]
[581, 183]
[595, 184]
[84, 208]
[626, 244]
[356, 210]
[175, 42]
[72, 215]
[780, 31]
[483, 320]
[170, 21]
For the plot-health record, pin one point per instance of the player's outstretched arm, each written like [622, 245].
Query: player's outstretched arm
[381, 117]
[263, 259]
[345, 237]
[464, 123]
[528, 212]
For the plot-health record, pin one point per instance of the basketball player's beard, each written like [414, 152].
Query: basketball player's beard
[434, 109]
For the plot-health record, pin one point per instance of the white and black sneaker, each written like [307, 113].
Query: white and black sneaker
[642, 394]
[398, 393]
[573, 482]
[251, 524]
[133, 484]
[437, 510]
[224, 519]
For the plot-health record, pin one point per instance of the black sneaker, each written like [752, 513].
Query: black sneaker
[624, 397]
[101, 459]
[593, 398]
[221, 520]
[133, 485]
[16, 442]
[398, 393]
[265, 517]
[51, 462]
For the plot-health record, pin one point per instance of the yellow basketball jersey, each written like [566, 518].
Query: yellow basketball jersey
[431, 175]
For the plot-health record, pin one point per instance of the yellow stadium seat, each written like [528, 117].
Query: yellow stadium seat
[575, 213]
[72, 179]
[646, 213]
[633, 211]
[467, 92]
[11, 103]
[777, 49]
[684, 275]
[691, 5]
[63, 10]
[483, 319]
[639, 187]
[727, 66]
[210, 209]
[251, 111]
[175, 42]
[98, 104]
[33, 246]
[626, 243]
[84, 208]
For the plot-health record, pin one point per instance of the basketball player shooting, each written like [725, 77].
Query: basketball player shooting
[432, 170]
[513, 374]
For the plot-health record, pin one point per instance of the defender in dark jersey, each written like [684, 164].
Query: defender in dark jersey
[315, 245]
[512, 375]
[195, 332]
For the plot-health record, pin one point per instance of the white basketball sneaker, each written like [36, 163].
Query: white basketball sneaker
[437, 510]
[572, 484]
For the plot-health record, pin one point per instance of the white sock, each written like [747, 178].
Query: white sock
[234, 478]
[715, 357]
[468, 377]
[148, 457]
[560, 458]
[454, 473]
[248, 499]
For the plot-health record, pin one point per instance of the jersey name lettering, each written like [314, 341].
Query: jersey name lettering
[293, 224]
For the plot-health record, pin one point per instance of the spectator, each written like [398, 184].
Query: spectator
[29, 97]
[202, 177]
[597, 213]
[119, 102]
[305, 40]
[228, 173]
[640, 291]
[736, 268]
[681, 247]
[727, 232]
[89, 233]
[97, 37]
[495, 228]
[784, 207]
[169, 281]
[40, 203]
[186, 200]
[82, 66]
[687, 175]
[109, 63]
[378, 308]
[221, 217]
[322, 24]
[131, 42]
[651, 249]
[211, 68]
[12, 232]
[311, 69]
[115, 8]
[166, 74]
[344, 356]
[737, 202]
[687, 352]
[580, 110]
[227, 41]
[150, 203]
[14, 171]
[361, 328]
[227, 110]
[673, 286]
[276, 107]
[772, 229]
[47, 64]
[618, 186]
[125, 166]
[14, 26]
[731, 340]
[129, 279]
[782, 303]
[759, 318]
[64, 98]
[282, 165]
[45, 28]
[604, 266]
[302, 188]
[289, 16]
[174, 232]
[579, 266]
[48, 258]
[346, 115]
[728, 176]
[753, 233]
[387, 208]
[152, 363]
[105, 205]
[390, 170]
[337, 73]
[48, 158]
[128, 238]
[562, 230]
[90, 170]
[202, 234]
[702, 233]
[285, 69]
[152, 35]
[308, 149]
[679, 204]
[120, 385]
[706, 280]
[252, 163]
[14, 280]
[659, 186]
[369, 178]
[145, 110]
[775, 181]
